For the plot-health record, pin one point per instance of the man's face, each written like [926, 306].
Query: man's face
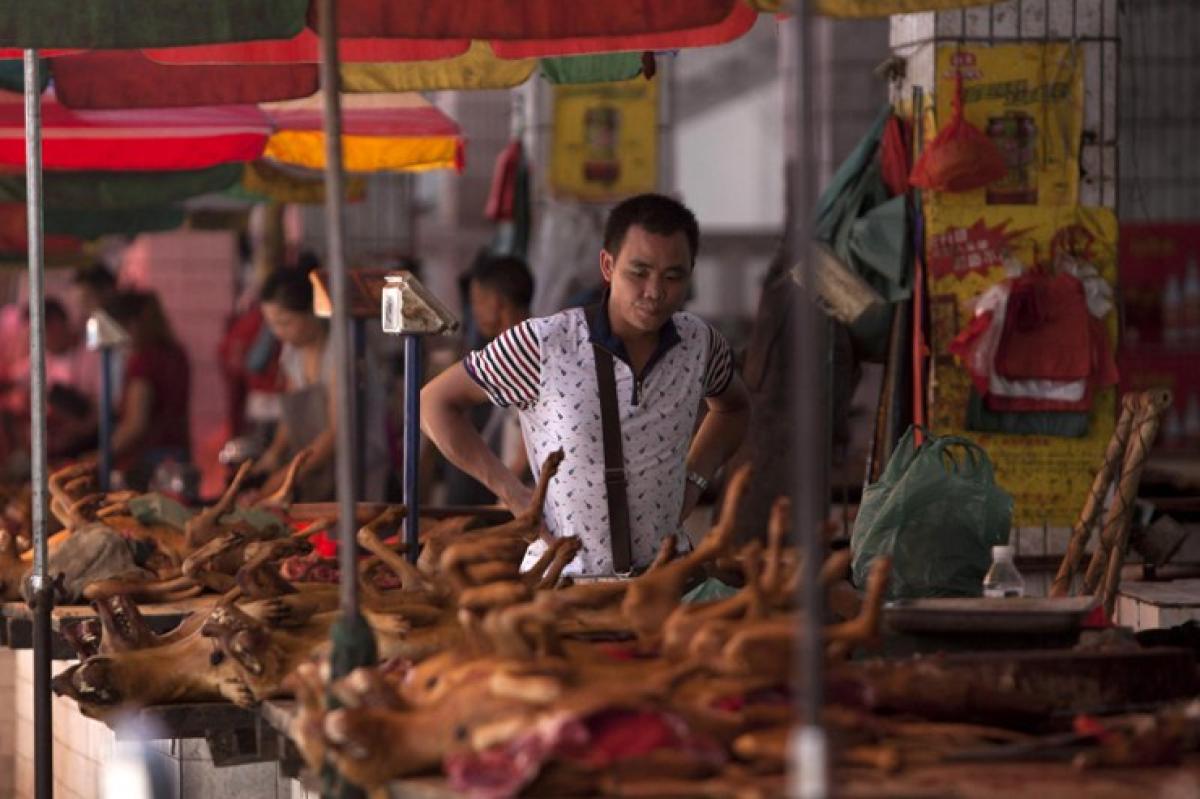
[648, 279]
[487, 309]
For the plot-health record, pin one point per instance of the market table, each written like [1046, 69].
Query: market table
[16, 621]
[1145, 605]
[278, 714]
[944, 781]
[1008, 780]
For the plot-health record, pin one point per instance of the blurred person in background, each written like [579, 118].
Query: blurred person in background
[91, 289]
[499, 293]
[307, 412]
[153, 424]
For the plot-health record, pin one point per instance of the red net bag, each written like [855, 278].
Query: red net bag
[960, 158]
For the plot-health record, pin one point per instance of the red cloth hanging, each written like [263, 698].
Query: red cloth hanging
[960, 157]
[894, 155]
[499, 205]
[1102, 374]
[1046, 334]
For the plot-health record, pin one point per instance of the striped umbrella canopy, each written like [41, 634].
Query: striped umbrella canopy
[380, 133]
[137, 140]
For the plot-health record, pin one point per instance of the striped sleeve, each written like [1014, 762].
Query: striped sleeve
[508, 369]
[719, 370]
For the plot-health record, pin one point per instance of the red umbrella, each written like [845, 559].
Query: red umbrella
[523, 19]
[152, 139]
[535, 28]
[127, 79]
[305, 49]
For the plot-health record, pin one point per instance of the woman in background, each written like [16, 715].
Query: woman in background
[307, 420]
[154, 421]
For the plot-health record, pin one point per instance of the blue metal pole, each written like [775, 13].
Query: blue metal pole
[412, 439]
[105, 417]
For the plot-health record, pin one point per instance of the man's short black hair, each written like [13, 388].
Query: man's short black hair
[656, 213]
[507, 275]
[95, 277]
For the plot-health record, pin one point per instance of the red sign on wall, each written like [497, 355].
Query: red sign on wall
[1160, 298]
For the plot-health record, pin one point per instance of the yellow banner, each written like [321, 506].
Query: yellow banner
[872, 8]
[1028, 99]
[1048, 476]
[605, 140]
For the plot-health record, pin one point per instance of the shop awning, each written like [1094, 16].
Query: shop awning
[146, 140]
[112, 79]
[380, 133]
[121, 24]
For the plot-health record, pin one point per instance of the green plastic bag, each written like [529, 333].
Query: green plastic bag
[937, 511]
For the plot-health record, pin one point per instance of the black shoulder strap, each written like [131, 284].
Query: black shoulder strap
[614, 462]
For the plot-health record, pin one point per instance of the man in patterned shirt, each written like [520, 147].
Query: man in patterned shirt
[666, 363]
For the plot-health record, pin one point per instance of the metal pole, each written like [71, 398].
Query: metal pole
[810, 364]
[412, 440]
[105, 417]
[362, 384]
[41, 593]
[340, 324]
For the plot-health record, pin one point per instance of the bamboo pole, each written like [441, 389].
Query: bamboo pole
[1082, 533]
[1118, 523]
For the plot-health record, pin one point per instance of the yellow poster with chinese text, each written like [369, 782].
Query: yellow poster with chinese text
[966, 250]
[1028, 99]
[605, 143]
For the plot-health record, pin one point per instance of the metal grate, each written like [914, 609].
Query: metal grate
[1160, 109]
[378, 230]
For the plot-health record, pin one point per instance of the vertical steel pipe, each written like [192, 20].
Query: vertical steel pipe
[41, 590]
[340, 324]
[810, 381]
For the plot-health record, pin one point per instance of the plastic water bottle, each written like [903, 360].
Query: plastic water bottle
[1003, 580]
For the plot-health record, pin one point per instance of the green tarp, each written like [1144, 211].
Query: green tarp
[602, 68]
[122, 24]
[869, 233]
[12, 75]
[90, 191]
[119, 222]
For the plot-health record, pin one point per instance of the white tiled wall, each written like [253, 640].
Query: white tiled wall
[81, 746]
